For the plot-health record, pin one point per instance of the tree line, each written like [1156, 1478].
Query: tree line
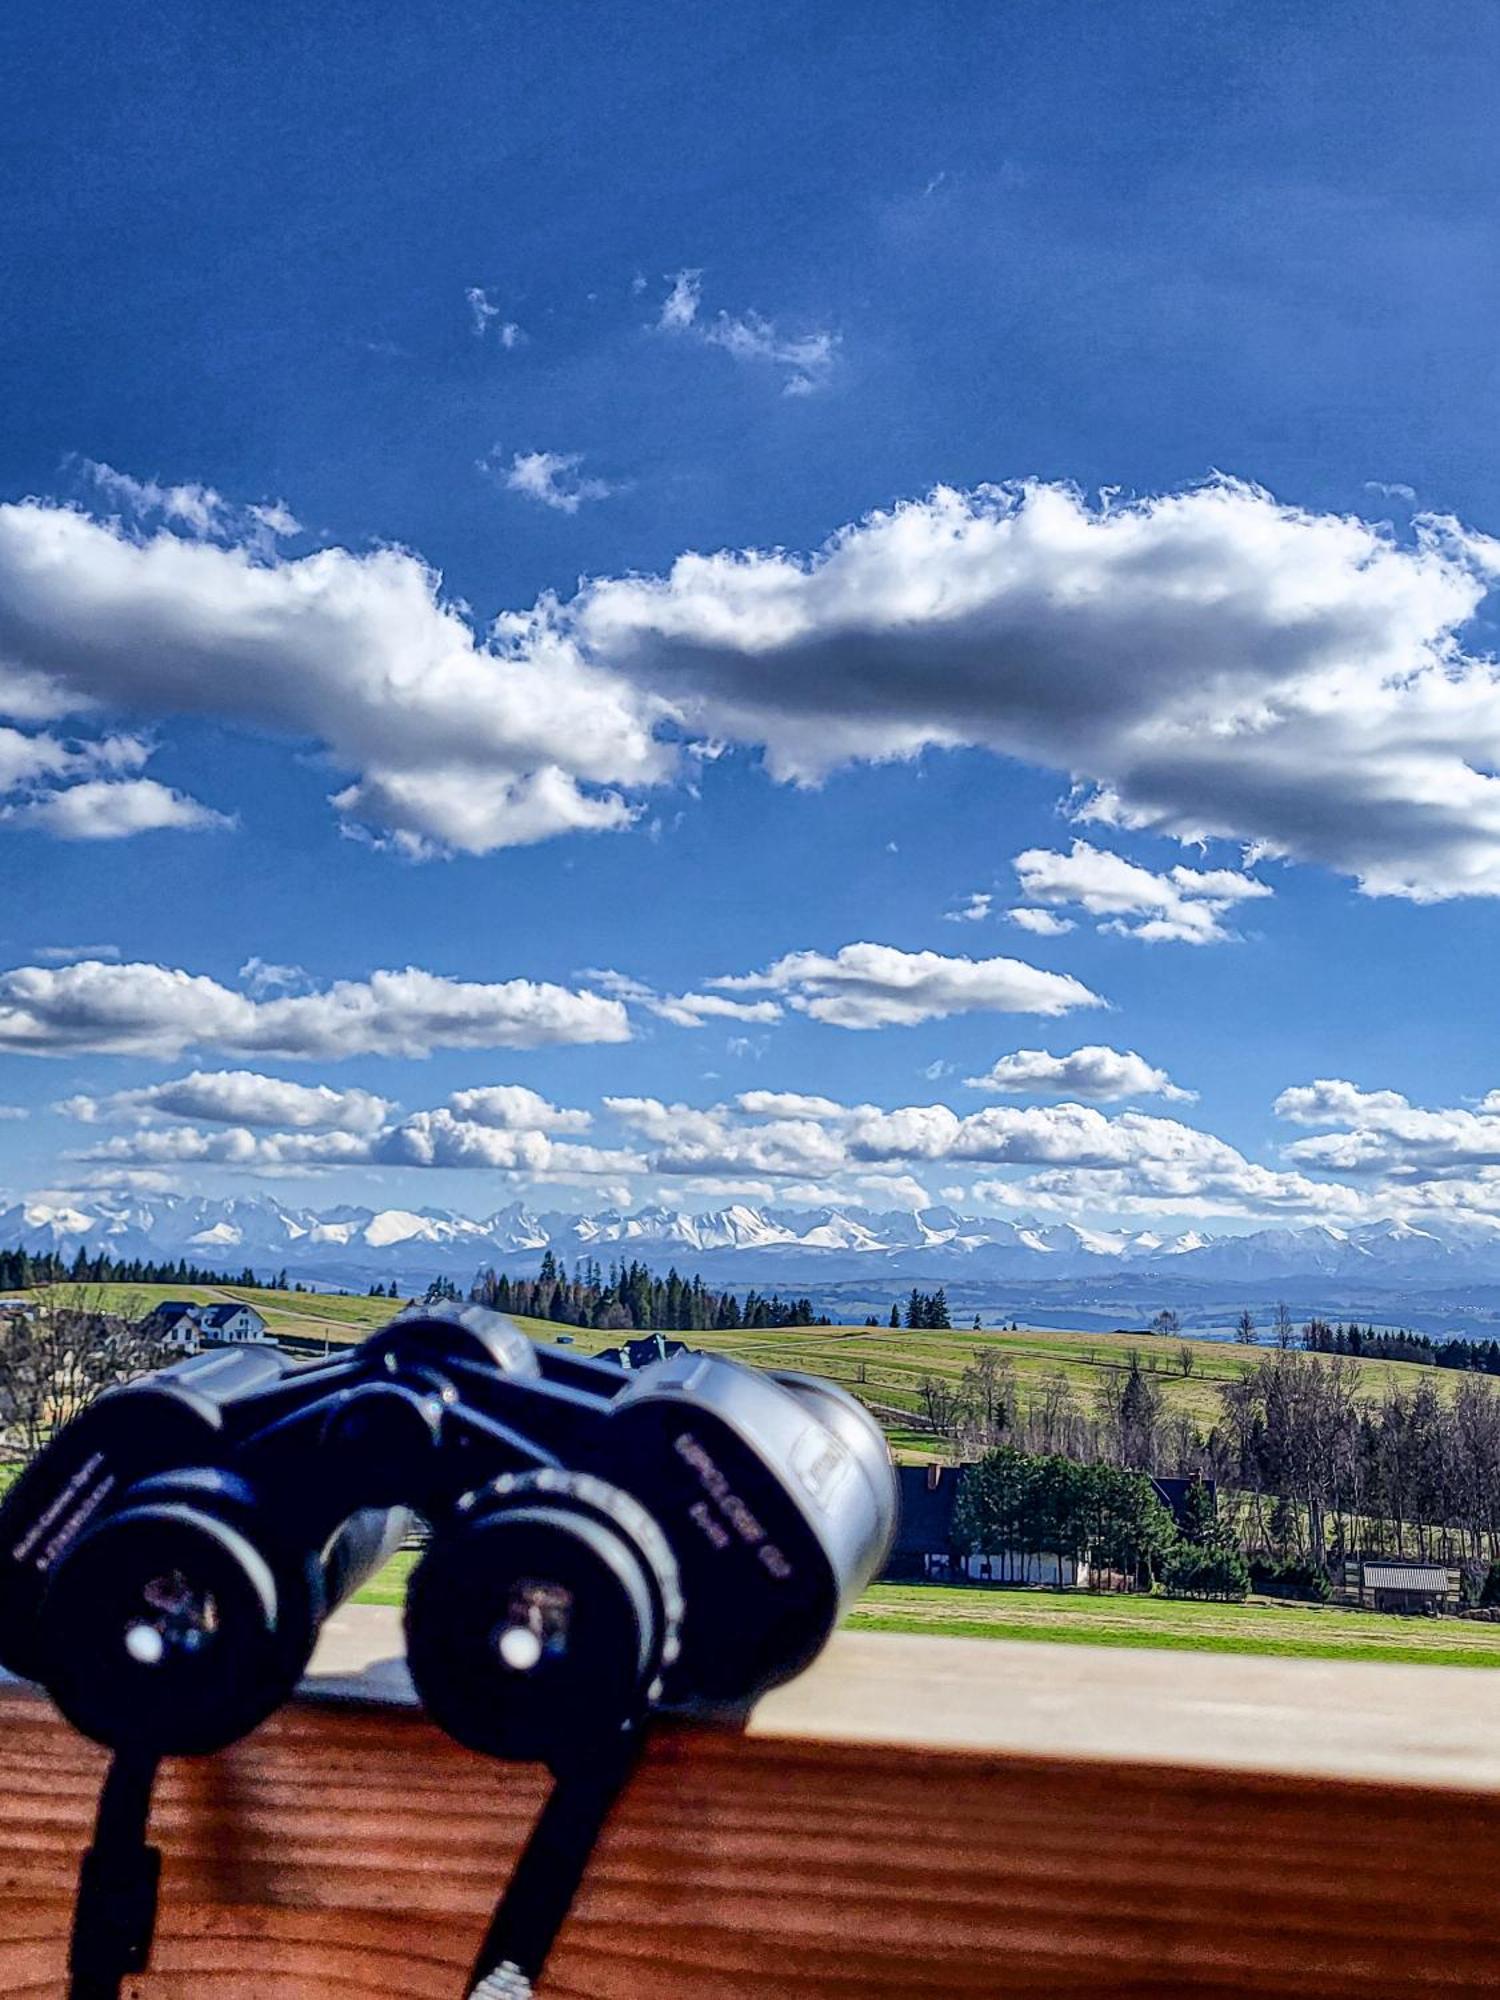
[631, 1297]
[23, 1270]
[1476, 1357]
[1109, 1517]
[1323, 1464]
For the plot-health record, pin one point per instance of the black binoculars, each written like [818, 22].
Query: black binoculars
[604, 1545]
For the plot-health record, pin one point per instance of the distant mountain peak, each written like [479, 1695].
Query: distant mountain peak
[739, 1243]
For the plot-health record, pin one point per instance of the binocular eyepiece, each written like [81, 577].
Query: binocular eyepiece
[603, 1544]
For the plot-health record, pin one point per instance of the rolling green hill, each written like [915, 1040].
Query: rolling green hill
[884, 1366]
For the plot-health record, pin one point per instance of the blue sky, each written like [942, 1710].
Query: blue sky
[332, 336]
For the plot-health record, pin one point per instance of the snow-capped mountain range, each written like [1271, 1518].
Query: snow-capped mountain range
[738, 1244]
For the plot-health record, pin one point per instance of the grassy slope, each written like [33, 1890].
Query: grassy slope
[884, 1365]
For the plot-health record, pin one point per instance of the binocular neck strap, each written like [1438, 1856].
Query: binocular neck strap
[114, 1915]
[545, 1880]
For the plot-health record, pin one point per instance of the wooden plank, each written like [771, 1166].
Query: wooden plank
[349, 1849]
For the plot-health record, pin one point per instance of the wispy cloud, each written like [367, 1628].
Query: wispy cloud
[805, 359]
[551, 478]
[487, 318]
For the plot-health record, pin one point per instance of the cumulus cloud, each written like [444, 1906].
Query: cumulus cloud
[103, 810]
[1204, 664]
[239, 1097]
[72, 789]
[454, 742]
[1086, 1158]
[683, 1010]
[443, 1139]
[877, 986]
[146, 1009]
[1385, 1134]
[1041, 923]
[232, 1146]
[806, 360]
[973, 910]
[551, 478]
[1100, 1075]
[1184, 905]
[511, 1107]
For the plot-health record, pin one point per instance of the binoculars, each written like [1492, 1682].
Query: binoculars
[604, 1545]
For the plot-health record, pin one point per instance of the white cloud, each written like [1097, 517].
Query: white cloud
[440, 1139]
[876, 986]
[718, 1142]
[1205, 664]
[1087, 1158]
[692, 1010]
[261, 976]
[1210, 663]
[972, 911]
[683, 1010]
[551, 478]
[103, 810]
[1100, 1075]
[11, 1114]
[1183, 906]
[1388, 1135]
[145, 1009]
[787, 1104]
[806, 359]
[511, 1107]
[454, 742]
[195, 509]
[484, 314]
[69, 954]
[232, 1146]
[56, 787]
[239, 1097]
[1041, 923]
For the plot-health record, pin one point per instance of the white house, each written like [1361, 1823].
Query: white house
[188, 1327]
[230, 1325]
[175, 1324]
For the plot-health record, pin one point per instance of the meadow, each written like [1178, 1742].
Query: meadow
[883, 1365]
[1291, 1631]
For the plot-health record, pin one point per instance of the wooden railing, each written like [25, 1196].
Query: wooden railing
[917, 1818]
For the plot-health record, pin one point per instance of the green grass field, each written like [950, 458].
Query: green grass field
[1293, 1631]
[882, 1365]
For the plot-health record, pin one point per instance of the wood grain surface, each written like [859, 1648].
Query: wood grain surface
[351, 1850]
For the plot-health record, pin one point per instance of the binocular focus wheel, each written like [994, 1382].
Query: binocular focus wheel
[540, 1619]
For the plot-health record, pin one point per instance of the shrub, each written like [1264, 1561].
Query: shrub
[1190, 1571]
[1290, 1579]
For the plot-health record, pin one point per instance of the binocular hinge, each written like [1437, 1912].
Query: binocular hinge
[114, 1916]
[546, 1878]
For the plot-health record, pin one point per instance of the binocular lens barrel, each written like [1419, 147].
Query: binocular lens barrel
[169, 1627]
[538, 1622]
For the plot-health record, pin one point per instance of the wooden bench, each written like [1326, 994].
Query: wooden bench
[916, 1818]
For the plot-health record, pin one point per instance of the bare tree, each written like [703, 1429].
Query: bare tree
[939, 1403]
[1244, 1328]
[1166, 1322]
[59, 1354]
[1283, 1327]
[1186, 1359]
